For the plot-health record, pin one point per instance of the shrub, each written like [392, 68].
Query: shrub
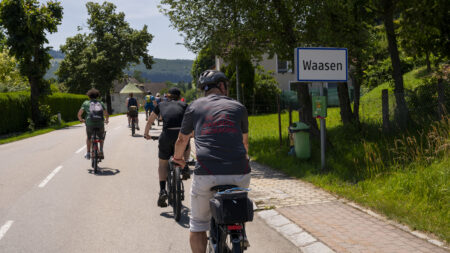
[16, 109]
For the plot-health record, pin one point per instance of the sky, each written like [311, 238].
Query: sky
[137, 13]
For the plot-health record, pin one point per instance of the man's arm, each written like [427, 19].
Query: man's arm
[80, 114]
[150, 121]
[245, 141]
[180, 147]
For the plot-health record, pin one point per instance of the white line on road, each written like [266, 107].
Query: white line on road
[81, 149]
[5, 228]
[49, 177]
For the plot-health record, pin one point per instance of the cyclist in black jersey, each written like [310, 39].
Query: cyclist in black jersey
[172, 112]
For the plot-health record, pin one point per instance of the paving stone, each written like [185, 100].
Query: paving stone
[317, 247]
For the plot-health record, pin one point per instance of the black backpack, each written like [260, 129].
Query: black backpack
[95, 111]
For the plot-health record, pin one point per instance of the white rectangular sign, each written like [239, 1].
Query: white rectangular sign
[321, 64]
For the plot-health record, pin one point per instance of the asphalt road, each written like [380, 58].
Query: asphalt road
[51, 202]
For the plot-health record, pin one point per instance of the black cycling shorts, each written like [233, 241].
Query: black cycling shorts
[166, 144]
[100, 131]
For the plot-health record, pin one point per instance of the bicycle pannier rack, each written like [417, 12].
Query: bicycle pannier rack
[231, 207]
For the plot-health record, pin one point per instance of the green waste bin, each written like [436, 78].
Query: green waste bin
[301, 139]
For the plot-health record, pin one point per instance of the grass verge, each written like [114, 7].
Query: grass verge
[20, 136]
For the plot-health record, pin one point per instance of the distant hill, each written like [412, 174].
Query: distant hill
[162, 70]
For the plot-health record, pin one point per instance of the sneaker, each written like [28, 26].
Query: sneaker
[185, 172]
[87, 156]
[101, 155]
[162, 198]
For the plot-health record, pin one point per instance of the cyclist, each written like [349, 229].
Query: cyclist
[149, 104]
[172, 113]
[220, 127]
[131, 101]
[96, 117]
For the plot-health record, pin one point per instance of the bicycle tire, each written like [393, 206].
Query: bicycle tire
[132, 127]
[95, 161]
[169, 189]
[236, 248]
[177, 193]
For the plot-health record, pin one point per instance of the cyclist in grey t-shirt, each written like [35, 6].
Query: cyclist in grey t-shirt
[220, 127]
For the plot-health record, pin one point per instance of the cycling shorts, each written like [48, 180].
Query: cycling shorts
[201, 194]
[100, 131]
[166, 144]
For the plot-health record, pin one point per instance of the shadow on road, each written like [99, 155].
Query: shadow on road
[137, 135]
[184, 221]
[105, 171]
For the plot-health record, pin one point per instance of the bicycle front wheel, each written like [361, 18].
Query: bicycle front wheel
[177, 193]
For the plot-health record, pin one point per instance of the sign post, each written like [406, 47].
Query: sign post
[321, 65]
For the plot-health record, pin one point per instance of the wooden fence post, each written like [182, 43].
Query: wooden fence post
[279, 119]
[385, 109]
[441, 99]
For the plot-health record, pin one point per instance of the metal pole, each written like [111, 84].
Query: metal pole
[237, 80]
[322, 135]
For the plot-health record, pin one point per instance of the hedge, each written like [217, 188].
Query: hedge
[15, 109]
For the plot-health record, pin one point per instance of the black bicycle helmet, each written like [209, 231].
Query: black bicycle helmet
[210, 78]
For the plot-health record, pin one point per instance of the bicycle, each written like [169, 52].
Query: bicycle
[133, 113]
[230, 209]
[95, 159]
[175, 188]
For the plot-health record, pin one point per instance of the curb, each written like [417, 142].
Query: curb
[303, 240]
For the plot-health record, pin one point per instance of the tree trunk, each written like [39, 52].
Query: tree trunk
[108, 103]
[344, 104]
[357, 80]
[427, 58]
[305, 110]
[34, 99]
[401, 112]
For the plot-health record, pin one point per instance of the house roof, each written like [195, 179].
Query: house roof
[153, 87]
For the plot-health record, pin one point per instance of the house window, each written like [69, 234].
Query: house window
[283, 66]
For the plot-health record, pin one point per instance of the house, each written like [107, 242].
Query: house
[118, 100]
[286, 77]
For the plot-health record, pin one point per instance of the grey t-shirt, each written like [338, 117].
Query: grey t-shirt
[218, 123]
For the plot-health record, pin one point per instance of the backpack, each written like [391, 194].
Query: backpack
[96, 111]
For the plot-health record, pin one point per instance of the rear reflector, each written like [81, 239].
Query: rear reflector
[234, 227]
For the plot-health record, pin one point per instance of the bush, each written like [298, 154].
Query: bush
[16, 109]
[382, 71]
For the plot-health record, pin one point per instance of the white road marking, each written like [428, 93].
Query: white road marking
[81, 149]
[49, 177]
[5, 228]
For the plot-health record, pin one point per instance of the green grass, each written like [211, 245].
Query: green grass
[403, 175]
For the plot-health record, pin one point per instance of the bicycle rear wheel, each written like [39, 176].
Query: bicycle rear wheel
[95, 160]
[177, 193]
[133, 126]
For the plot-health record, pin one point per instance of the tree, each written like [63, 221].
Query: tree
[10, 77]
[26, 23]
[98, 58]
[343, 23]
[432, 38]
[205, 60]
